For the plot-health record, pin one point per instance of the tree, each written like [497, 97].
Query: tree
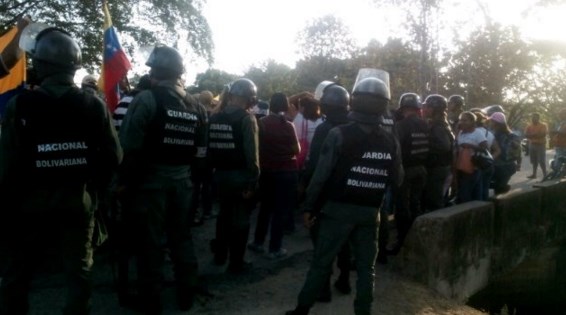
[140, 22]
[491, 61]
[423, 19]
[311, 71]
[213, 80]
[542, 90]
[397, 57]
[326, 37]
[271, 77]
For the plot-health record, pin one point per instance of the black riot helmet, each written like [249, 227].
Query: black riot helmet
[55, 51]
[456, 101]
[370, 96]
[436, 102]
[410, 100]
[335, 95]
[166, 63]
[244, 88]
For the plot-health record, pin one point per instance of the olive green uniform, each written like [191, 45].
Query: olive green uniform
[160, 196]
[40, 212]
[342, 221]
[233, 222]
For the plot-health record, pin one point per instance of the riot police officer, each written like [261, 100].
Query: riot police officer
[441, 146]
[58, 149]
[234, 153]
[164, 136]
[412, 131]
[455, 108]
[358, 161]
[334, 103]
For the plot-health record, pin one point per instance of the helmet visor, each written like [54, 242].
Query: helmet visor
[29, 36]
[374, 73]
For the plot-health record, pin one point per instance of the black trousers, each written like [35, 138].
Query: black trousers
[68, 233]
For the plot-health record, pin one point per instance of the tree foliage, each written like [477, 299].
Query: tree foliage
[271, 77]
[213, 80]
[396, 56]
[326, 37]
[486, 64]
[422, 19]
[311, 71]
[177, 23]
[541, 90]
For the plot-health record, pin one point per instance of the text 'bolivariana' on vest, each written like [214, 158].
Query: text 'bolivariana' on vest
[221, 135]
[369, 171]
[220, 145]
[64, 146]
[60, 163]
[377, 156]
[364, 184]
[176, 141]
[182, 115]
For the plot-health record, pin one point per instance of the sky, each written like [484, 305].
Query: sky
[247, 32]
[272, 29]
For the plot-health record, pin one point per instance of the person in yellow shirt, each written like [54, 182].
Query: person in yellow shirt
[536, 134]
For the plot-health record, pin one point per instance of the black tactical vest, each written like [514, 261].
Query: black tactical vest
[225, 140]
[364, 168]
[414, 145]
[171, 137]
[387, 121]
[57, 137]
[436, 156]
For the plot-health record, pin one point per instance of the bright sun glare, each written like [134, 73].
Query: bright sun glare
[248, 32]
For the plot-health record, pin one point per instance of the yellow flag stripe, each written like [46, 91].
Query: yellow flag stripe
[18, 73]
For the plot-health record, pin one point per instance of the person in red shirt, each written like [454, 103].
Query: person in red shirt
[278, 148]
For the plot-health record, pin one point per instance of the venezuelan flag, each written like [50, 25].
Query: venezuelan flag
[115, 64]
[13, 83]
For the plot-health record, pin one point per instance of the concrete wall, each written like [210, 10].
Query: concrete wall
[457, 250]
[553, 211]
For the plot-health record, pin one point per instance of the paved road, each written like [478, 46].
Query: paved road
[270, 289]
[520, 180]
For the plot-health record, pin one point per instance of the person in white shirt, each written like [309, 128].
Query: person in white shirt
[305, 122]
[468, 176]
[494, 149]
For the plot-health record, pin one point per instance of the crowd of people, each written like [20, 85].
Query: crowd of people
[345, 160]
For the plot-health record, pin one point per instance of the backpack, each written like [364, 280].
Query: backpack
[510, 145]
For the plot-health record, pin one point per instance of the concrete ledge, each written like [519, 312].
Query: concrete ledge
[553, 210]
[458, 250]
[450, 249]
[517, 229]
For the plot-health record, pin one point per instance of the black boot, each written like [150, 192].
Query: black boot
[238, 244]
[144, 304]
[325, 294]
[299, 310]
[382, 257]
[185, 298]
[343, 283]
[220, 253]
